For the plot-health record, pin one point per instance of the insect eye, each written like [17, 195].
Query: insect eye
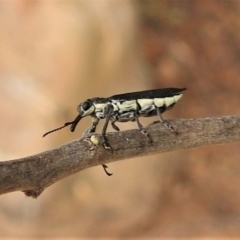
[86, 106]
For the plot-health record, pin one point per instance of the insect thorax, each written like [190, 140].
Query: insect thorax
[100, 105]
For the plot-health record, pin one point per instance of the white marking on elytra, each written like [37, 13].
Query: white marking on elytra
[159, 102]
[177, 97]
[169, 101]
[145, 102]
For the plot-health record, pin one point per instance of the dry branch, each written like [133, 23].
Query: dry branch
[35, 173]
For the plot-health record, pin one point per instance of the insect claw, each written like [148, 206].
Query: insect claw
[142, 130]
[105, 170]
[146, 134]
[107, 146]
[168, 126]
[115, 127]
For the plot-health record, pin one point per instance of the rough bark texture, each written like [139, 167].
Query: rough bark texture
[35, 173]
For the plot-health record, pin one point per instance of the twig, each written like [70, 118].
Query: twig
[35, 173]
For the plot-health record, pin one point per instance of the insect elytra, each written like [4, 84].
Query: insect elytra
[126, 107]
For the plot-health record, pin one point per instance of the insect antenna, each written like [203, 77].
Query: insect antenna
[72, 128]
[54, 130]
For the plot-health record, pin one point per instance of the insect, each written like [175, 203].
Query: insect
[125, 107]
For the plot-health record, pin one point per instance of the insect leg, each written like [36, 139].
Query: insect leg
[105, 170]
[93, 127]
[107, 111]
[141, 129]
[115, 127]
[165, 123]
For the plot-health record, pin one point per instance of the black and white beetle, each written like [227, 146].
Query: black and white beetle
[126, 107]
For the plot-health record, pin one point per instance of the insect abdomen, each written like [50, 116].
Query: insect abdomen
[147, 105]
[167, 101]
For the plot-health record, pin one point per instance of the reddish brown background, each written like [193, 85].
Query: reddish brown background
[55, 54]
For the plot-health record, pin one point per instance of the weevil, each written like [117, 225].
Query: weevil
[126, 107]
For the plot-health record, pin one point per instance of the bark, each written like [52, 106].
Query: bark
[35, 173]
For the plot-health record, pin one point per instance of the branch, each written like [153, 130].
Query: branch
[35, 173]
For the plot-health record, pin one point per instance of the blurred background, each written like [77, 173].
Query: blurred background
[56, 54]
